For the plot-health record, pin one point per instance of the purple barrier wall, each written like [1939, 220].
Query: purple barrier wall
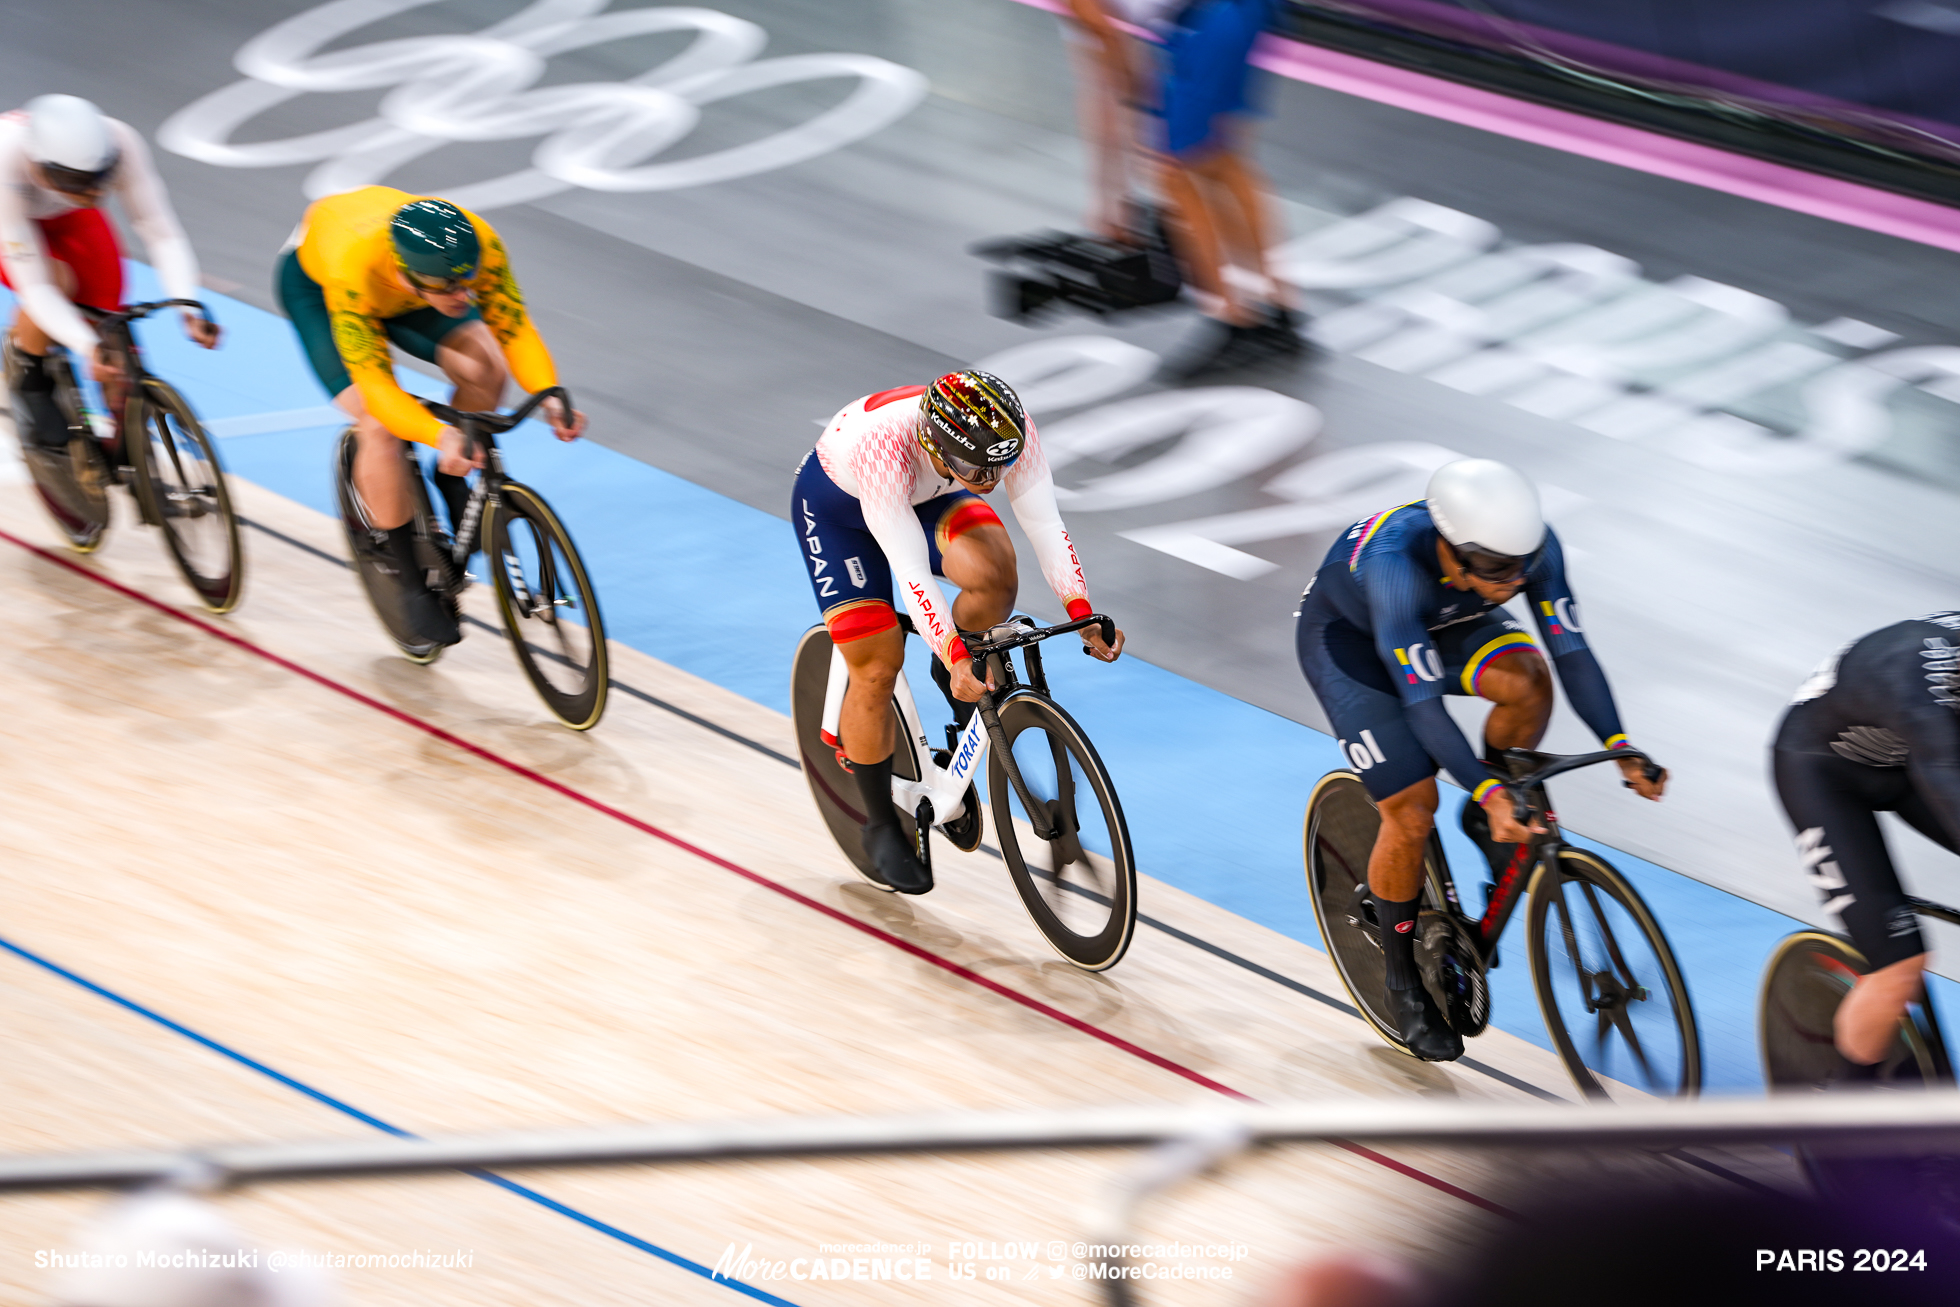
[1889, 68]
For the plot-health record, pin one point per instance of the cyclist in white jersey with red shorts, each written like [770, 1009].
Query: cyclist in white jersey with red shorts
[891, 495]
[60, 159]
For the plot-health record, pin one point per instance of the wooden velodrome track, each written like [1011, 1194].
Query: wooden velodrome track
[403, 892]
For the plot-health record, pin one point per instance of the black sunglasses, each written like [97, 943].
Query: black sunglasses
[78, 181]
[436, 285]
[1488, 566]
[979, 474]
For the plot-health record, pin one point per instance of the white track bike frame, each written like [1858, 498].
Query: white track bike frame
[945, 786]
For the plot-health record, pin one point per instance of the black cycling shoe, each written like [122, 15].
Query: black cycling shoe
[417, 608]
[429, 615]
[897, 865]
[39, 420]
[1284, 331]
[1421, 1024]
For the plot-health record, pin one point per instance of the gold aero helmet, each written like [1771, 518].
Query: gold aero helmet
[974, 422]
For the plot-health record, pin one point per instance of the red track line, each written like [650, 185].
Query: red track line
[576, 796]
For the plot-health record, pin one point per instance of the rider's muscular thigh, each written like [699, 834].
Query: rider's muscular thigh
[981, 564]
[865, 725]
[470, 358]
[1395, 865]
[1520, 685]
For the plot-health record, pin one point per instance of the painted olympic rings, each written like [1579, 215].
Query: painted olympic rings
[480, 87]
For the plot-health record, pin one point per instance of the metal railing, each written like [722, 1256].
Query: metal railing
[1212, 1132]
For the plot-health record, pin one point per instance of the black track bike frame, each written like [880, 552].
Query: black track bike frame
[1531, 806]
[990, 649]
[120, 344]
[480, 431]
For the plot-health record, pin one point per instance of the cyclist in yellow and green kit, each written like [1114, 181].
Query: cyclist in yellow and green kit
[376, 267]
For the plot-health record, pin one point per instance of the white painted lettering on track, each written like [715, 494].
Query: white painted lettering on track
[481, 87]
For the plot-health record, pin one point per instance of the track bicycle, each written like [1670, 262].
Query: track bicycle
[171, 468]
[1807, 977]
[543, 593]
[1056, 816]
[1608, 985]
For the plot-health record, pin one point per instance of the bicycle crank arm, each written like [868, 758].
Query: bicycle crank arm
[922, 834]
[1037, 811]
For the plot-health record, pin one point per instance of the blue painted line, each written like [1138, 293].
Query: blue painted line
[367, 1118]
[1213, 788]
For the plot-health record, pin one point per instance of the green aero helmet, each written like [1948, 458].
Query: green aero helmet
[435, 243]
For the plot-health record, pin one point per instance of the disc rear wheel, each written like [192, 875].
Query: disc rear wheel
[1807, 977]
[382, 587]
[1341, 825]
[834, 790]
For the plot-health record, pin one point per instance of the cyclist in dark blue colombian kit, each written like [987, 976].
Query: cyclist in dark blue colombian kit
[1405, 610]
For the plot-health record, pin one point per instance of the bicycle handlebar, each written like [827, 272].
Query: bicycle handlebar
[1028, 633]
[133, 312]
[1558, 766]
[1937, 911]
[494, 422]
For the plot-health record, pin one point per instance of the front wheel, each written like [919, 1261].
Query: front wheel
[548, 605]
[1081, 885]
[1610, 990]
[181, 485]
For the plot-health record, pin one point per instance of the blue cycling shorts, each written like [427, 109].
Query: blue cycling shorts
[1207, 66]
[1359, 695]
[849, 574]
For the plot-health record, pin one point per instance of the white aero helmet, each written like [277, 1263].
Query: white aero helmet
[71, 141]
[1489, 514]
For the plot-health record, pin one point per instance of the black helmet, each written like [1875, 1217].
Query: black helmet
[974, 422]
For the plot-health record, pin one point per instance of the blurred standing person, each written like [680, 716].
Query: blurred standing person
[1109, 89]
[1212, 192]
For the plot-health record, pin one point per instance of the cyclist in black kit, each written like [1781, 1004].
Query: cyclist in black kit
[1874, 730]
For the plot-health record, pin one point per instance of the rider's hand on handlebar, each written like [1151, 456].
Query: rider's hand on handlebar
[202, 330]
[1109, 653]
[449, 454]
[554, 412]
[1504, 825]
[966, 686]
[1635, 771]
